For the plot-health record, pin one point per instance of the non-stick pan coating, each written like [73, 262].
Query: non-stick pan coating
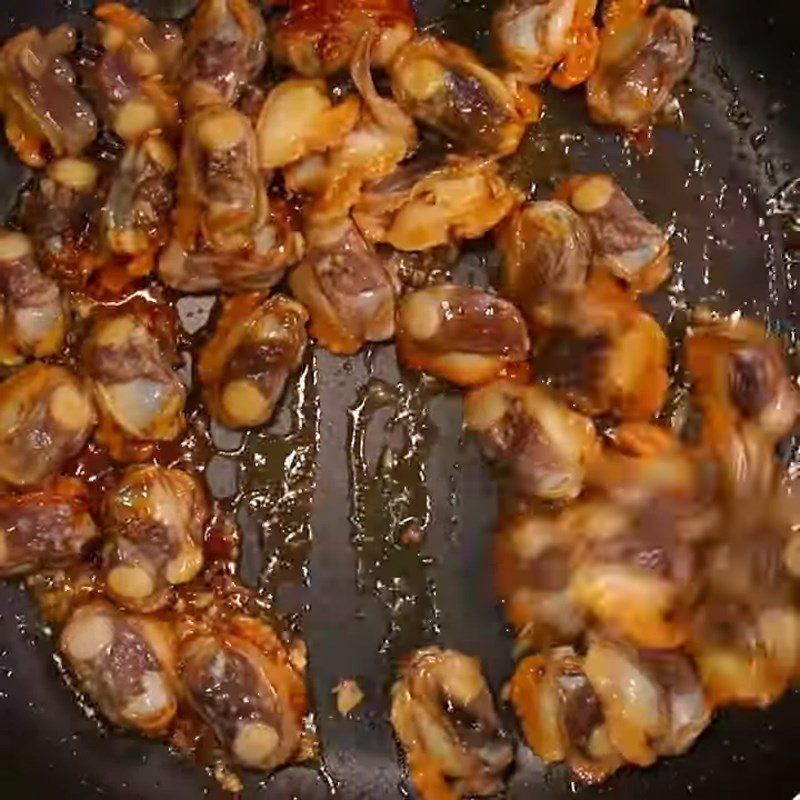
[714, 183]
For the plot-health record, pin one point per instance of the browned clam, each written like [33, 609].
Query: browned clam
[33, 314]
[243, 685]
[446, 86]
[258, 343]
[225, 48]
[347, 288]
[46, 416]
[45, 529]
[155, 520]
[125, 664]
[319, 37]
[45, 116]
[444, 716]
[463, 334]
[229, 236]
[138, 393]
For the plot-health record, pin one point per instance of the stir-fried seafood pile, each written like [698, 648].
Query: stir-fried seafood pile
[649, 574]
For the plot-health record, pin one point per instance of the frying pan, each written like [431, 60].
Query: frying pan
[722, 184]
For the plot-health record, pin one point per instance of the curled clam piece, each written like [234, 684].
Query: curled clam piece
[249, 694]
[463, 334]
[258, 343]
[155, 520]
[225, 49]
[447, 87]
[550, 38]
[318, 37]
[228, 235]
[444, 716]
[642, 57]
[45, 116]
[136, 215]
[383, 136]
[298, 118]
[33, 315]
[561, 714]
[531, 558]
[346, 287]
[125, 664]
[138, 393]
[46, 416]
[61, 214]
[419, 207]
[653, 701]
[544, 445]
[625, 243]
[127, 81]
[44, 529]
[546, 250]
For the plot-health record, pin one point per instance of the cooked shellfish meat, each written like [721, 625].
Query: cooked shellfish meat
[444, 716]
[46, 416]
[463, 334]
[642, 58]
[155, 520]
[225, 49]
[419, 206]
[319, 37]
[346, 287]
[45, 115]
[45, 529]
[625, 244]
[554, 39]
[258, 343]
[33, 314]
[252, 699]
[125, 664]
[445, 86]
[543, 444]
[135, 386]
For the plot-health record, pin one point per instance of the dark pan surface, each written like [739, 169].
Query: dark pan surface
[361, 601]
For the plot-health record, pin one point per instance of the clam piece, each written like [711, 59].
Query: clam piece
[561, 714]
[546, 250]
[155, 519]
[531, 560]
[444, 716]
[652, 701]
[543, 444]
[548, 38]
[138, 393]
[462, 334]
[642, 57]
[298, 118]
[445, 85]
[46, 416]
[625, 244]
[129, 79]
[419, 206]
[251, 697]
[382, 137]
[33, 314]
[125, 664]
[346, 287]
[225, 49]
[228, 235]
[318, 37]
[45, 529]
[45, 116]
[137, 213]
[61, 215]
[258, 343]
